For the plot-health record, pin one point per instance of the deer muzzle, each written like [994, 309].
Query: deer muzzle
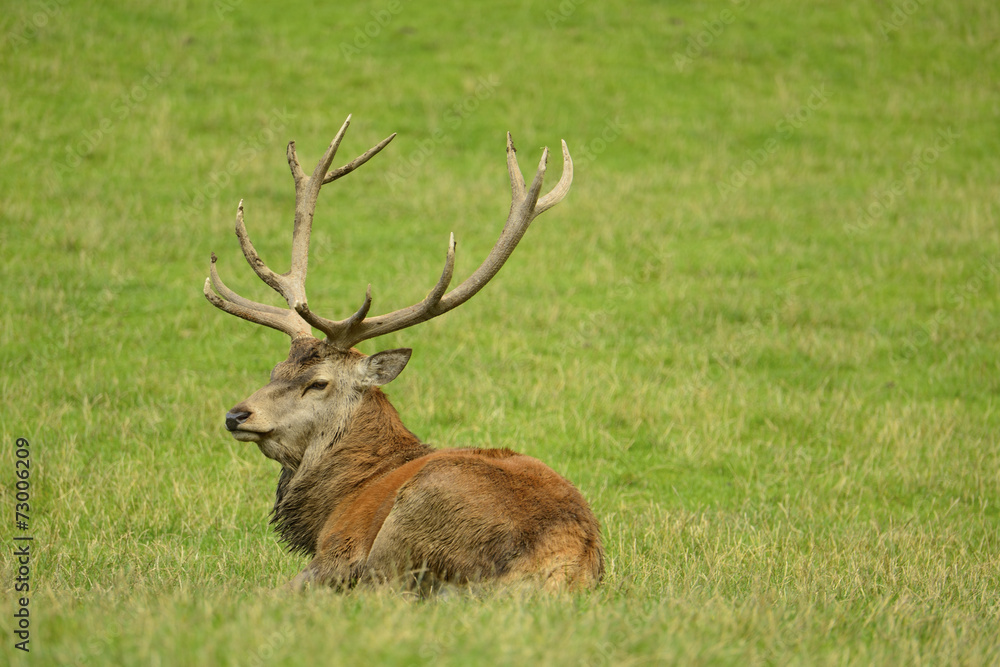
[235, 419]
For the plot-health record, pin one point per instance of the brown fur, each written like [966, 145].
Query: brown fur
[362, 495]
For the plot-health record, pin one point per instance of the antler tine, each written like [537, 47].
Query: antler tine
[283, 319]
[229, 295]
[335, 331]
[516, 177]
[358, 161]
[253, 259]
[559, 192]
[525, 207]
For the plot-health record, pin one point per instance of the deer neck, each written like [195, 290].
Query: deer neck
[373, 442]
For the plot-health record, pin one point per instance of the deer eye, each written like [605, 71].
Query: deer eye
[318, 386]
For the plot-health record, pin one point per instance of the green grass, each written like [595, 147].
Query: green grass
[760, 334]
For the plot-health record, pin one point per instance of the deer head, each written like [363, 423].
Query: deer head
[311, 398]
[313, 394]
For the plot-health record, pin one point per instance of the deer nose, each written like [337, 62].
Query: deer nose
[235, 419]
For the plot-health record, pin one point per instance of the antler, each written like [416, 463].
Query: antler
[290, 285]
[525, 206]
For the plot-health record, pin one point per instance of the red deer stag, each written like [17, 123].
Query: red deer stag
[360, 493]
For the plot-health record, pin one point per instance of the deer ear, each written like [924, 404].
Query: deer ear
[383, 367]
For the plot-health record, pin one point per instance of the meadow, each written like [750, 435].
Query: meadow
[760, 334]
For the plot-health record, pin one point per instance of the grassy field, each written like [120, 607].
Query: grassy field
[760, 335]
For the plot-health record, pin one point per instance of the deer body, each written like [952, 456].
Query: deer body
[358, 491]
